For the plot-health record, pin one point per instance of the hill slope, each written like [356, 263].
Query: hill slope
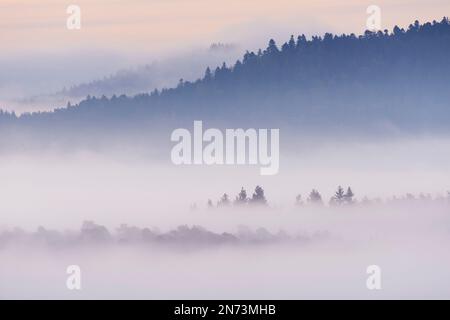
[377, 80]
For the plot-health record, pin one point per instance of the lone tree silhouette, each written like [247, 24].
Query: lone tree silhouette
[224, 201]
[298, 200]
[339, 197]
[315, 198]
[241, 198]
[348, 197]
[258, 196]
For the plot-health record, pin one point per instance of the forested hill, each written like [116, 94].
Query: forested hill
[399, 77]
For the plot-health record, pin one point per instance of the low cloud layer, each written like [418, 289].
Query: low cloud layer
[92, 234]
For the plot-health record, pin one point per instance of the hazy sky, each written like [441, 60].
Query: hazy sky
[159, 25]
[40, 55]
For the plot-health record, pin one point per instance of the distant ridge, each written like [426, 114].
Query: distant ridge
[397, 79]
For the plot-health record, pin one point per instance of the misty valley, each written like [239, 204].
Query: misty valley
[315, 167]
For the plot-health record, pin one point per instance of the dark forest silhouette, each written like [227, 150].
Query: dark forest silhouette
[400, 75]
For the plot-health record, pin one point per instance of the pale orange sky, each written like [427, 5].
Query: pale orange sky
[163, 25]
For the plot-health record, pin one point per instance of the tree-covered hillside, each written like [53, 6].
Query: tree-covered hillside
[397, 79]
